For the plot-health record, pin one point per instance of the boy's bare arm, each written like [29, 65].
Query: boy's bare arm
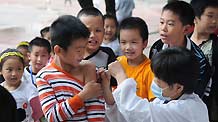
[92, 89]
[89, 71]
[116, 70]
[105, 82]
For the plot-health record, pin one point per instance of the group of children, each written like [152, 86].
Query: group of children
[75, 85]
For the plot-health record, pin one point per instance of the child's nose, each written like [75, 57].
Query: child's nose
[128, 46]
[39, 58]
[92, 34]
[14, 73]
[109, 29]
[163, 27]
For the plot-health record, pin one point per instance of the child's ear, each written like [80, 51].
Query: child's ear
[145, 43]
[57, 50]
[28, 55]
[195, 20]
[187, 29]
[179, 88]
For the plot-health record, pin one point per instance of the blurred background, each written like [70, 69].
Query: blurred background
[22, 20]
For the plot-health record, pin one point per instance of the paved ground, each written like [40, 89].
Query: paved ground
[22, 19]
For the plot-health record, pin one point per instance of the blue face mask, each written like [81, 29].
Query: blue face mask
[158, 92]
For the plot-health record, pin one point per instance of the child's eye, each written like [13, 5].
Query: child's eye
[98, 30]
[80, 49]
[19, 69]
[9, 70]
[122, 42]
[161, 22]
[210, 16]
[171, 24]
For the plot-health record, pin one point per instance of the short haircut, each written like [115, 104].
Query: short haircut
[66, 29]
[177, 65]
[44, 30]
[135, 23]
[8, 106]
[183, 10]
[199, 6]
[40, 42]
[5, 58]
[90, 11]
[110, 16]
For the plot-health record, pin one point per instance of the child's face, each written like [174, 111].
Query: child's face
[171, 29]
[131, 43]
[208, 21]
[110, 29]
[74, 53]
[39, 57]
[25, 52]
[96, 28]
[12, 70]
[173, 91]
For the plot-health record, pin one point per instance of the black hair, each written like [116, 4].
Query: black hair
[8, 106]
[38, 41]
[177, 65]
[90, 11]
[183, 10]
[110, 16]
[199, 6]
[44, 30]
[66, 29]
[135, 23]
[7, 57]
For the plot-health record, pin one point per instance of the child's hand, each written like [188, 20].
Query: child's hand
[117, 71]
[105, 82]
[104, 78]
[91, 90]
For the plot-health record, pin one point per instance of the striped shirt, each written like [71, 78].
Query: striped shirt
[58, 96]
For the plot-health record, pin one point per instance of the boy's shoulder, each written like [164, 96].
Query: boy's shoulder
[196, 49]
[123, 60]
[156, 47]
[86, 64]
[107, 50]
[48, 69]
[214, 38]
[158, 44]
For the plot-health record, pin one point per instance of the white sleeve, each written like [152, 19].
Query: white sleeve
[129, 107]
[132, 107]
[113, 114]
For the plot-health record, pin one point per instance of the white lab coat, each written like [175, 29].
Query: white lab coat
[130, 108]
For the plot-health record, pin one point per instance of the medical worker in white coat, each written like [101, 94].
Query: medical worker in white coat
[176, 72]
